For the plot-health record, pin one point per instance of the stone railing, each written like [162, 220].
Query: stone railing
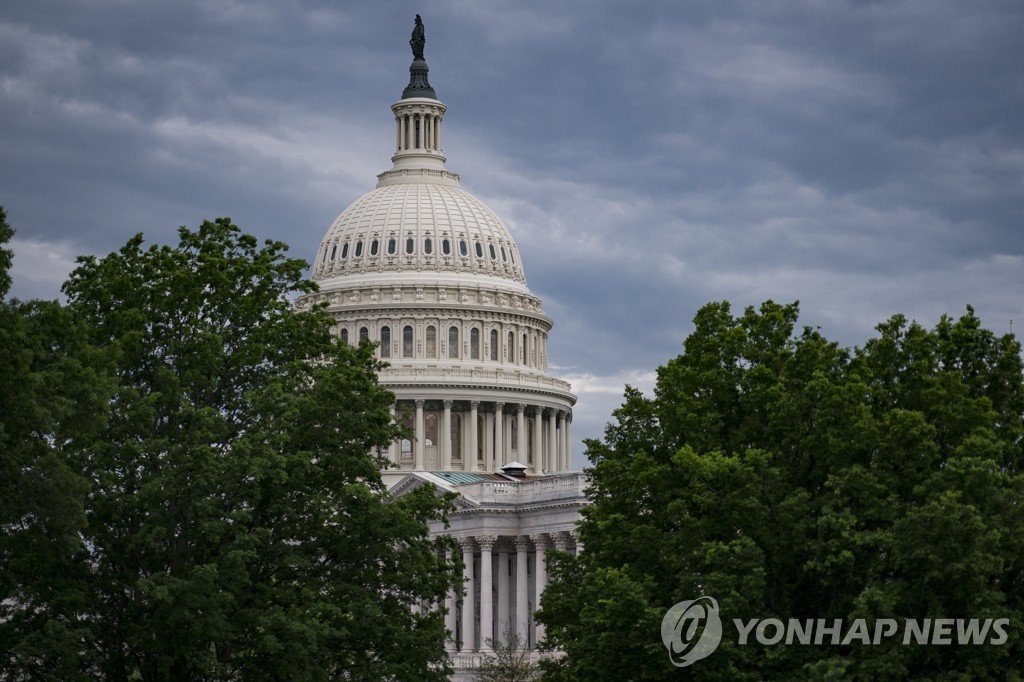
[554, 487]
[482, 377]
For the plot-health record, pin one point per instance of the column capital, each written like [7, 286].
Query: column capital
[448, 404]
[562, 540]
[419, 403]
[474, 404]
[467, 544]
[540, 540]
[498, 407]
[522, 543]
[521, 408]
[549, 411]
[486, 542]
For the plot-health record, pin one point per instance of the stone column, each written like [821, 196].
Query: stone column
[451, 604]
[446, 437]
[521, 450]
[468, 601]
[553, 462]
[499, 439]
[420, 435]
[486, 542]
[540, 544]
[522, 600]
[568, 442]
[538, 440]
[505, 628]
[473, 435]
[562, 442]
[488, 442]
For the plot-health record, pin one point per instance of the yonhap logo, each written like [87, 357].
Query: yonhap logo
[679, 630]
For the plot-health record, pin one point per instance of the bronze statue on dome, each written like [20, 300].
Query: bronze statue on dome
[418, 40]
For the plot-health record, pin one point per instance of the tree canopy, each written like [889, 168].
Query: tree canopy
[789, 477]
[227, 515]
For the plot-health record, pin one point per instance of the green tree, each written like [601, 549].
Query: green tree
[235, 522]
[510, 661]
[53, 390]
[788, 477]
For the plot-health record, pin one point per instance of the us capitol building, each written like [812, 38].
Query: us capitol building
[430, 273]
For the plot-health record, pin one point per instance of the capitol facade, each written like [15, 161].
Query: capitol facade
[431, 275]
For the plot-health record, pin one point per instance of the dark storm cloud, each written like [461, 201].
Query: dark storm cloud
[866, 158]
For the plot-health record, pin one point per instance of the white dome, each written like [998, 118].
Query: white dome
[418, 227]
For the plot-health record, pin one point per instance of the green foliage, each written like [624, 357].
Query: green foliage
[510, 661]
[788, 477]
[234, 522]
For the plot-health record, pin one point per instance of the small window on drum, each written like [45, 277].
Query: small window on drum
[453, 342]
[463, 250]
[504, 258]
[410, 245]
[474, 343]
[344, 335]
[392, 247]
[494, 256]
[385, 342]
[359, 248]
[479, 250]
[428, 246]
[374, 247]
[494, 344]
[344, 251]
[446, 247]
[407, 342]
[364, 334]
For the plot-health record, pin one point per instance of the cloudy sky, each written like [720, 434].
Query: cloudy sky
[865, 158]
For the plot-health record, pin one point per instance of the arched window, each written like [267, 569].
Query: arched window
[344, 251]
[407, 342]
[456, 431]
[385, 342]
[453, 342]
[510, 355]
[474, 345]
[430, 424]
[392, 246]
[374, 247]
[334, 250]
[515, 433]
[463, 251]
[410, 245]
[494, 345]
[364, 334]
[522, 351]
[344, 335]
[446, 247]
[428, 246]
[359, 248]
[431, 341]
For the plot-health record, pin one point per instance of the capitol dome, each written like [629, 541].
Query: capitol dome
[431, 275]
[425, 226]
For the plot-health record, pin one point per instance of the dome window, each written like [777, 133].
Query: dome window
[344, 335]
[428, 246]
[474, 343]
[364, 334]
[359, 248]
[374, 247]
[511, 347]
[410, 245]
[407, 342]
[334, 250]
[453, 342]
[344, 251]
[494, 256]
[504, 258]
[446, 247]
[512, 255]
[479, 250]
[431, 341]
[385, 342]
[494, 345]
[463, 251]
[392, 247]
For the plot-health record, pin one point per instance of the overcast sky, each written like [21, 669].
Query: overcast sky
[864, 158]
